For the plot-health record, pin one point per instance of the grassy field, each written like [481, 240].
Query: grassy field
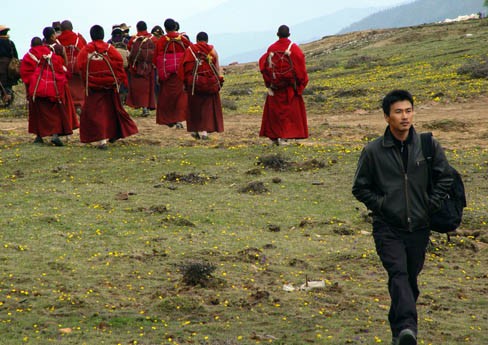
[93, 249]
[170, 244]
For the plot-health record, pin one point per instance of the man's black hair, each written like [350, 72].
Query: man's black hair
[283, 31]
[57, 26]
[48, 32]
[202, 36]
[36, 42]
[393, 97]
[141, 26]
[96, 33]
[170, 25]
[66, 25]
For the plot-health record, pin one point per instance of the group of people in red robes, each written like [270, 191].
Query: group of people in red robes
[162, 72]
[60, 73]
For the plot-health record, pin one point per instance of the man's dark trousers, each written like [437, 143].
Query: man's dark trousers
[402, 254]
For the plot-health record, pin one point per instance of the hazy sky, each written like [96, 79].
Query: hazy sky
[28, 18]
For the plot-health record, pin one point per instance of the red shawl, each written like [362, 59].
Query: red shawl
[141, 34]
[165, 39]
[68, 38]
[30, 73]
[297, 58]
[186, 67]
[115, 61]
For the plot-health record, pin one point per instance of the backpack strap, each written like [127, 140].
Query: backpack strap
[33, 57]
[104, 56]
[195, 70]
[427, 144]
[198, 62]
[288, 50]
[48, 61]
[144, 39]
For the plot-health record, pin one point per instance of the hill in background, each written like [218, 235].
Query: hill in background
[248, 45]
[416, 13]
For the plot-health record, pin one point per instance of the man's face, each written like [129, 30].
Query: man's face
[401, 117]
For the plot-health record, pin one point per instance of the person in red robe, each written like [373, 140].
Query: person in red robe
[51, 41]
[284, 114]
[172, 107]
[73, 43]
[47, 110]
[142, 76]
[103, 118]
[205, 108]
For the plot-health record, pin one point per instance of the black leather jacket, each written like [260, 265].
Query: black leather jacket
[398, 198]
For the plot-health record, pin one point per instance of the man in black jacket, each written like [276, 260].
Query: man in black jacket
[392, 181]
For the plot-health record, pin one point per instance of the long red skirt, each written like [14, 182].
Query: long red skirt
[70, 108]
[141, 91]
[77, 89]
[205, 113]
[48, 118]
[284, 116]
[103, 117]
[172, 101]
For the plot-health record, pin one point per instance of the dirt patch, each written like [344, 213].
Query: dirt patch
[244, 129]
[191, 178]
[255, 187]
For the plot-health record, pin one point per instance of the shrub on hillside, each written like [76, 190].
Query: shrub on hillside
[357, 61]
[229, 104]
[197, 273]
[475, 68]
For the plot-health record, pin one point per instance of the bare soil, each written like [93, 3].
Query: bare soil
[457, 125]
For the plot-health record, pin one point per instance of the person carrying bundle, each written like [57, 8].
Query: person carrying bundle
[285, 76]
[103, 117]
[200, 73]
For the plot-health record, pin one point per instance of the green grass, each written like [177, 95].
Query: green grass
[93, 242]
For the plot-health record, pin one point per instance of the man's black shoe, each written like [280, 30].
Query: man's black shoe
[407, 337]
[38, 140]
[56, 141]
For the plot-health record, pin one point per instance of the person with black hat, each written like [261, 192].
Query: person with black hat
[7, 53]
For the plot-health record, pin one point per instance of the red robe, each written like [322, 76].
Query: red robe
[141, 88]
[172, 102]
[103, 116]
[46, 116]
[284, 114]
[69, 38]
[205, 110]
[59, 50]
